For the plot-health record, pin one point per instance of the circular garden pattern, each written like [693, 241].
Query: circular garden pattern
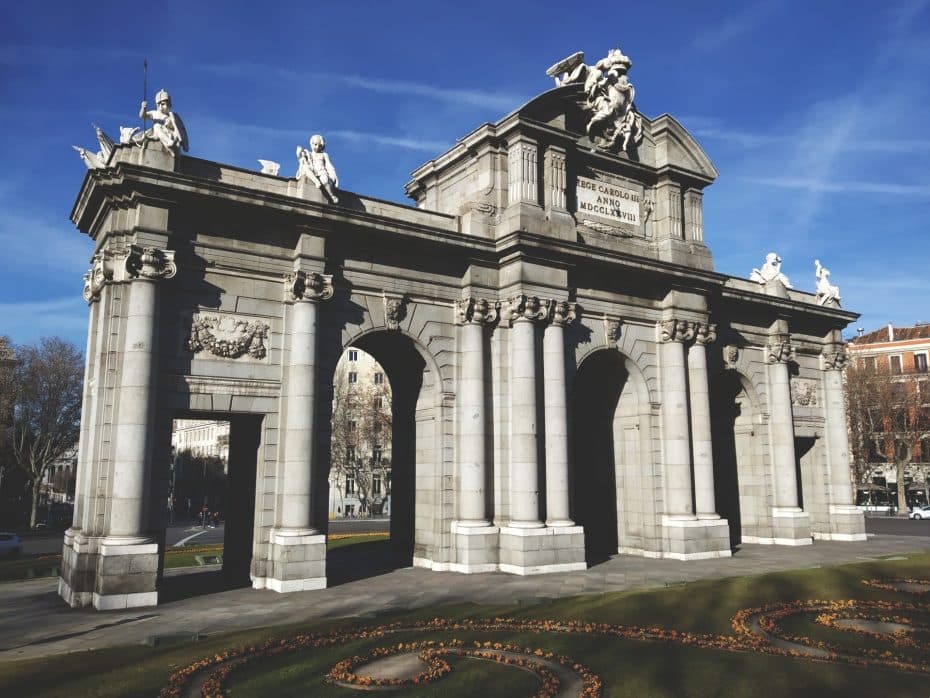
[891, 634]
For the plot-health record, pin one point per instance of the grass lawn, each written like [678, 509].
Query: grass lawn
[626, 667]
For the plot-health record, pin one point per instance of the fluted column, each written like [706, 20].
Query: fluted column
[701, 441]
[524, 480]
[675, 424]
[304, 291]
[561, 313]
[145, 266]
[781, 422]
[471, 316]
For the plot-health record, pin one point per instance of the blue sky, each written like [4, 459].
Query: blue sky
[815, 114]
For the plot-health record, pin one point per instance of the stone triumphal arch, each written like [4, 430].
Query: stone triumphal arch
[571, 378]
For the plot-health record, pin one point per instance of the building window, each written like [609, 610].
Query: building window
[353, 355]
[352, 426]
[353, 377]
[376, 427]
[379, 403]
[871, 362]
[379, 378]
[895, 364]
[920, 362]
[376, 454]
[376, 484]
[350, 485]
[350, 454]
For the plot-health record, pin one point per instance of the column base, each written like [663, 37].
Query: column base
[692, 538]
[790, 526]
[127, 573]
[476, 547]
[78, 568]
[297, 561]
[847, 523]
[526, 551]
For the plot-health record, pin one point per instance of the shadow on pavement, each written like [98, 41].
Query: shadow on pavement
[361, 561]
[343, 565]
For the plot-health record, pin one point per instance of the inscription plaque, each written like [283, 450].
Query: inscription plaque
[608, 201]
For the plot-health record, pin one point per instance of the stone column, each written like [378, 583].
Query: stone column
[472, 314]
[145, 265]
[791, 525]
[524, 481]
[306, 291]
[701, 441]
[127, 565]
[675, 423]
[561, 313]
[522, 168]
[298, 550]
[847, 522]
[779, 352]
[475, 539]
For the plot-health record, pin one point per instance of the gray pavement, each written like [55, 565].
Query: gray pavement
[35, 622]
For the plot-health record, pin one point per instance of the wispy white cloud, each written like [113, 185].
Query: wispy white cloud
[714, 130]
[482, 99]
[23, 232]
[733, 26]
[29, 321]
[362, 138]
[818, 185]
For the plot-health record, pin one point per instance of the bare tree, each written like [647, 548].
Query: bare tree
[361, 428]
[889, 419]
[7, 363]
[46, 421]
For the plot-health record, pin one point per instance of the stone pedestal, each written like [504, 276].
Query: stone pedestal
[541, 550]
[78, 568]
[297, 561]
[791, 526]
[476, 548]
[688, 538]
[127, 573]
[847, 523]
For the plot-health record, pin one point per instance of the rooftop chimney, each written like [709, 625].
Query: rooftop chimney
[890, 332]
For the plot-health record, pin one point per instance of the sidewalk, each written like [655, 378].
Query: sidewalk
[34, 622]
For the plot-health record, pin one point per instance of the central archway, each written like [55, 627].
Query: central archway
[612, 466]
[414, 477]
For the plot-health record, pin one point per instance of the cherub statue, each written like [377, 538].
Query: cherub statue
[315, 165]
[167, 126]
[826, 292]
[770, 271]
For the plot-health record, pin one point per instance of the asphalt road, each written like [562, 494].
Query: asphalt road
[48, 543]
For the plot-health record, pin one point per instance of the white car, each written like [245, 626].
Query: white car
[920, 513]
[10, 545]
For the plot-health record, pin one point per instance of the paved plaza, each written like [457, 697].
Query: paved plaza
[35, 622]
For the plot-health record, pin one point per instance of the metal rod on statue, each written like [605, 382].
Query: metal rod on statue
[145, 92]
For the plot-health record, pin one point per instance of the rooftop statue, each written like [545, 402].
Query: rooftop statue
[167, 126]
[101, 157]
[614, 123]
[270, 167]
[315, 165]
[827, 293]
[770, 271]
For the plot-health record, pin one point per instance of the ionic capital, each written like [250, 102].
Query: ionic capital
[525, 308]
[478, 311]
[307, 286]
[835, 358]
[99, 275]
[150, 263]
[779, 349]
[677, 330]
[562, 313]
[705, 333]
